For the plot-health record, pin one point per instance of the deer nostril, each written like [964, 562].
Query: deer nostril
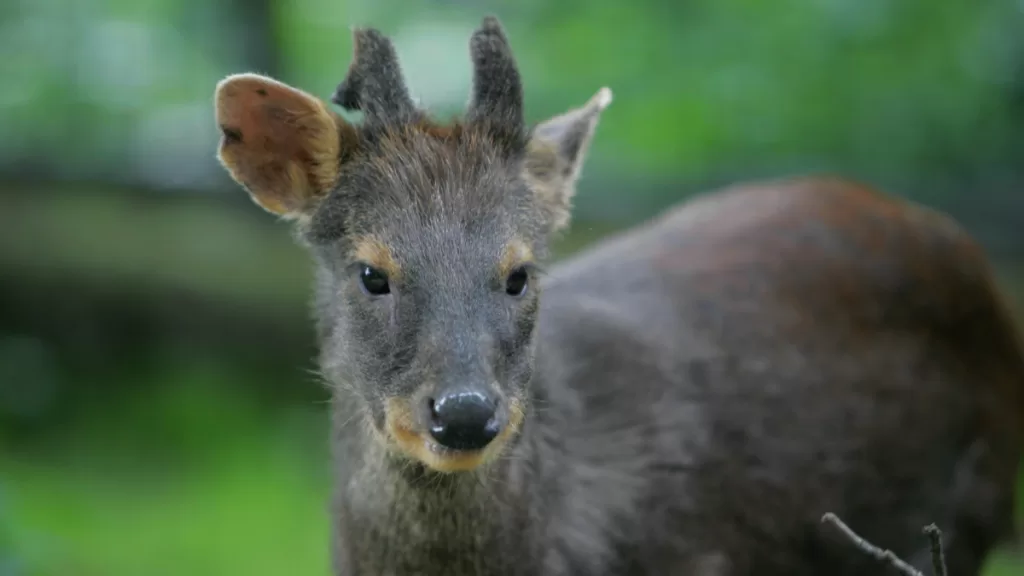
[464, 420]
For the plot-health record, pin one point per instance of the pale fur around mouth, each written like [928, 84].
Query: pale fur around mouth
[400, 428]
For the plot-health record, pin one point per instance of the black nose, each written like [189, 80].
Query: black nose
[464, 420]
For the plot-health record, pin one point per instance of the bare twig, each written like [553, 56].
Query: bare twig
[938, 555]
[870, 549]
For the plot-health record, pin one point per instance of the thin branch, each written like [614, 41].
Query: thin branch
[938, 555]
[871, 549]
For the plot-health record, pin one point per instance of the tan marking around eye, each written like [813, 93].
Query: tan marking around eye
[375, 253]
[516, 254]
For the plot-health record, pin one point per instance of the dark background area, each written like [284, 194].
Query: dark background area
[158, 415]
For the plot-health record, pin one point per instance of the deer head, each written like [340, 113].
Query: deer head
[427, 237]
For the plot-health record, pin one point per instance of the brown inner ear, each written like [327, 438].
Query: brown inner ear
[282, 144]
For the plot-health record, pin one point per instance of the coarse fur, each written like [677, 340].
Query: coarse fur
[688, 397]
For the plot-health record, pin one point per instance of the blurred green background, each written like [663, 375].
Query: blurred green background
[157, 413]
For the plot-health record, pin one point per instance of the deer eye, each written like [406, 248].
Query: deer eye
[517, 281]
[373, 281]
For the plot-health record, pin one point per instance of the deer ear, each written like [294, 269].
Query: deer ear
[555, 154]
[281, 144]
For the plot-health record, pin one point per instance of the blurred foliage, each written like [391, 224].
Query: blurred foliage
[905, 93]
[171, 498]
[157, 415]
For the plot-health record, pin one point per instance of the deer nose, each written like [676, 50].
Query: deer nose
[464, 419]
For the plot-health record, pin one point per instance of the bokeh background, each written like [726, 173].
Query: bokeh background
[157, 414]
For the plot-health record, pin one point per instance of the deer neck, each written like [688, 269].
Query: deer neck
[395, 517]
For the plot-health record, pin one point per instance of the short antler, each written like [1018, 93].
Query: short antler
[374, 83]
[497, 88]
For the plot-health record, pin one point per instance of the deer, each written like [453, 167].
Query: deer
[687, 396]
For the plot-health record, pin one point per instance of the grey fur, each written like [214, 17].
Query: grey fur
[374, 83]
[704, 389]
[497, 87]
[698, 391]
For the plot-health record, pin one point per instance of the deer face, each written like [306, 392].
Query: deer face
[427, 238]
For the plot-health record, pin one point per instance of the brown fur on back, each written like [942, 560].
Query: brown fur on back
[822, 347]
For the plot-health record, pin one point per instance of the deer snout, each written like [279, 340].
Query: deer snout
[465, 419]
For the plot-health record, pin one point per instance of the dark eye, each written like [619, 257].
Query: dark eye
[516, 283]
[373, 281]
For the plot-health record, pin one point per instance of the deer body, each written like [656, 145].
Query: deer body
[689, 397]
[710, 384]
